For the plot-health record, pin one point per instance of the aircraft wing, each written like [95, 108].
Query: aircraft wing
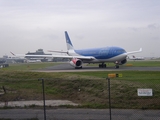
[56, 51]
[56, 56]
[132, 52]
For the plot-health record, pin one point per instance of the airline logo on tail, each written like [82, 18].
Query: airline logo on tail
[68, 41]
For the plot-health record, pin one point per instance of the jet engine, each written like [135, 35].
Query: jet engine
[77, 63]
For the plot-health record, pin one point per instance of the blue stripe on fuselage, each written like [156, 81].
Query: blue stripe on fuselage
[102, 53]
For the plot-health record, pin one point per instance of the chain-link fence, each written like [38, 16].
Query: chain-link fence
[135, 100]
[140, 99]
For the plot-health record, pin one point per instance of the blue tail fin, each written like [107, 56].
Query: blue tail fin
[68, 41]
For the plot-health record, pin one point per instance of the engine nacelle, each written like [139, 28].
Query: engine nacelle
[77, 63]
[122, 62]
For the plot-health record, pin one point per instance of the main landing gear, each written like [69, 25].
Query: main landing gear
[102, 65]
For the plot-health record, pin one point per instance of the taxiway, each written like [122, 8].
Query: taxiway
[65, 67]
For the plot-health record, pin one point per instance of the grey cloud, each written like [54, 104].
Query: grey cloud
[154, 26]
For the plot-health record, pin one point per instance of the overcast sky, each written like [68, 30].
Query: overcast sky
[27, 25]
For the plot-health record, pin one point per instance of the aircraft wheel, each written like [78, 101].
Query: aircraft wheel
[117, 66]
[100, 65]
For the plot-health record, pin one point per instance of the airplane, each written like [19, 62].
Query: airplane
[113, 54]
[136, 58]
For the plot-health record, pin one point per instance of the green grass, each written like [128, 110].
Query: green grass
[140, 76]
[93, 88]
[28, 66]
[151, 63]
[89, 89]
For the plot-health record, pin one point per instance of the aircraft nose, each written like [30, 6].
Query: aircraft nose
[124, 55]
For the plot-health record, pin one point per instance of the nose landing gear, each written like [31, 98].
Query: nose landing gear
[102, 65]
[116, 66]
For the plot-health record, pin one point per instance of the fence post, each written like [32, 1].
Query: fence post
[44, 106]
[109, 97]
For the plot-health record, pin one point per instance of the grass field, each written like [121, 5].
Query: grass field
[29, 66]
[86, 88]
[150, 63]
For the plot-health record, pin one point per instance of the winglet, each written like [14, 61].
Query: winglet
[140, 50]
[12, 53]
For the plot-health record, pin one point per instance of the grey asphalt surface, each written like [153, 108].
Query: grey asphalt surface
[80, 114]
[65, 67]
